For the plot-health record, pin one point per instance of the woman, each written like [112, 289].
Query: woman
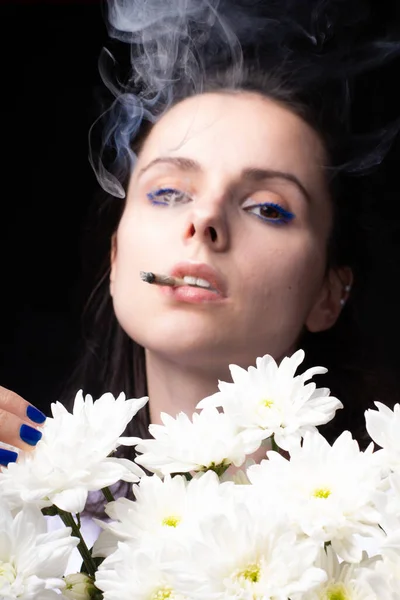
[243, 181]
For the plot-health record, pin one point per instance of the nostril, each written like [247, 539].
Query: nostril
[209, 232]
[213, 234]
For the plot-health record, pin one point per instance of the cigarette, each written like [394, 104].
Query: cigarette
[158, 279]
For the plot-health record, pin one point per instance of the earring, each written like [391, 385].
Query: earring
[347, 289]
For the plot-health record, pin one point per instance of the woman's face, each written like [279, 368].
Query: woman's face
[228, 188]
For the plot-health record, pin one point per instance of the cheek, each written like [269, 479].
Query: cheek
[138, 242]
[133, 244]
[142, 245]
[279, 289]
[150, 229]
[284, 270]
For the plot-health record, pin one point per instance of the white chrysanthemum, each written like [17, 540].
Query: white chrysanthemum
[383, 426]
[247, 553]
[138, 574]
[32, 561]
[270, 398]
[349, 581]
[389, 566]
[328, 492]
[72, 458]
[238, 476]
[171, 509]
[78, 586]
[389, 501]
[209, 440]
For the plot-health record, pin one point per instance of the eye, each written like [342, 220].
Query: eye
[270, 212]
[168, 197]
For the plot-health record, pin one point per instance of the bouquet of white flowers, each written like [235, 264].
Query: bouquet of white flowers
[312, 521]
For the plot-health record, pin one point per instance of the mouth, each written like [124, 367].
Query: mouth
[200, 275]
[199, 283]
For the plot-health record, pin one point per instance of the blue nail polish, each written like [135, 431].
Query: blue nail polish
[35, 415]
[29, 435]
[7, 456]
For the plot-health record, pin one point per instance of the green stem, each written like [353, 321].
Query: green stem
[274, 445]
[107, 494]
[69, 521]
[186, 475]
[218, 469]
[221, 470]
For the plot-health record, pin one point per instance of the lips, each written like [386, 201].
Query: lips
[201, 271]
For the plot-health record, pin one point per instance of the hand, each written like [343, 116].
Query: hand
[19, 425]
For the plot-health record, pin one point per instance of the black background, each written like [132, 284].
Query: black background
[50, 89]
[50, 95]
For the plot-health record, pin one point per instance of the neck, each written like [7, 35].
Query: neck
[174, 388]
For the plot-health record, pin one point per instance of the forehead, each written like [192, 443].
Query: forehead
[232, 131]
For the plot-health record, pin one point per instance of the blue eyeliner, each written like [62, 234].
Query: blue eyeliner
[285, 216]
[162, 191]
[152, 196]
[168, 197]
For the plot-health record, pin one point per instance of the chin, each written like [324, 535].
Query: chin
[190, 348]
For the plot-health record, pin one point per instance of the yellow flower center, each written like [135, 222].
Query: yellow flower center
[8, 573]
[267, 402]
[337, 591]
[322, 493]
[163, 594]
[171, 521]
[250, 573]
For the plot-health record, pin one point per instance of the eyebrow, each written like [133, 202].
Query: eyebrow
[250, 174]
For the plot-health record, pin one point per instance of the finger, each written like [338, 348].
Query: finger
[15, 432]
[15, 404]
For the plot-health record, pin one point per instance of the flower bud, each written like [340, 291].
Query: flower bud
[78, 586]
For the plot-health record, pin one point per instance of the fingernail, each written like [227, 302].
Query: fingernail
[35, 415]
[29, 435]
[7, 456]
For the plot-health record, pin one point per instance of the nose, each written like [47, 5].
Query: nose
[208, 224]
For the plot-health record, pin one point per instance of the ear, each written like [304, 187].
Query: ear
[113, 258]
[331, 299]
